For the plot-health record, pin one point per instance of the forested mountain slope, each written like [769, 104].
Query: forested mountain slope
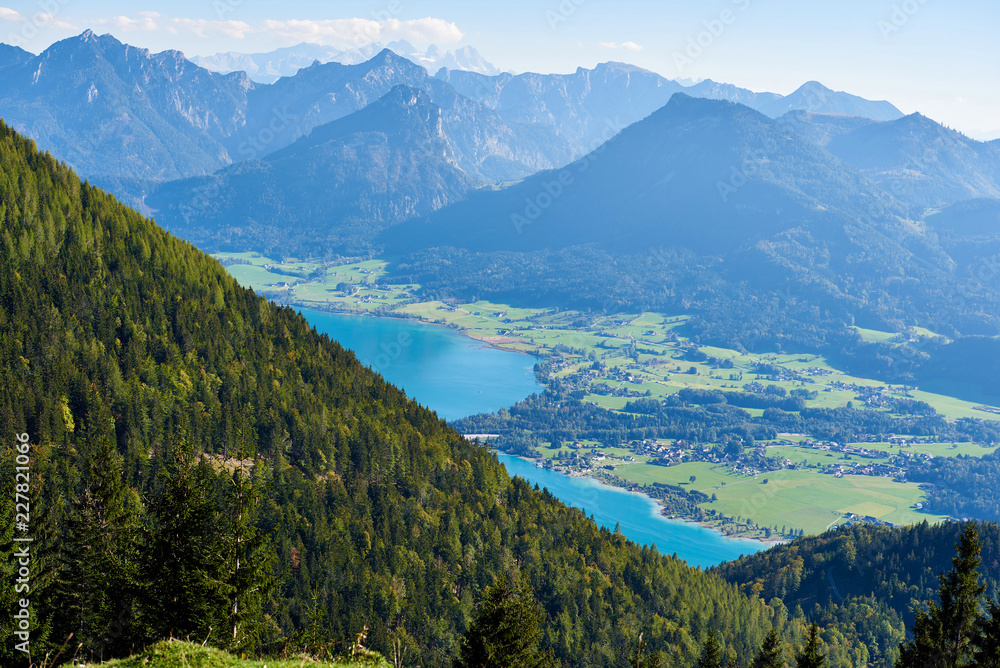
[922, 162]
[145, 377]
[829, 574]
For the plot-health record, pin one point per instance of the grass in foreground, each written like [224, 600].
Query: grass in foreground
[177, 654]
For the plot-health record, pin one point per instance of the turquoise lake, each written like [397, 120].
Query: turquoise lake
[451, 373]
[458, 376]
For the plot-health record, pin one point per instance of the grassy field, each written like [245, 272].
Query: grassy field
[802, 499]
[642, 354]
[176, 654]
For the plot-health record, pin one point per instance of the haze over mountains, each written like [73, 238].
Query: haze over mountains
[706, 175]
[127, 118]
[285, 62]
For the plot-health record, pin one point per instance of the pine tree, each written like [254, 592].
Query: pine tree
[943, 635]
[711, 655]
[771, 651]
[810, 657]
[506, 630]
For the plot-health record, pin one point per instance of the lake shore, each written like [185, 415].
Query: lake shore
[642, 521]
[718, 527]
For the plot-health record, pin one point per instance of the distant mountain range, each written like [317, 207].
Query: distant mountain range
[129, 119]
[122, 115]
[584, 106]
[285, 62]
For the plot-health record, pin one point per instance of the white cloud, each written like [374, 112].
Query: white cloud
[429, 29]
[7, 14]
[142, 23]
[352, 33]
[628, 46]
[205, 28]
[52, 21]
[154, 22]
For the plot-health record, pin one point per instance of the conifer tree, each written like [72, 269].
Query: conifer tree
[771, 651]
[642, 657]
[187, 592]
[506, 630]
[248, 552]
[988, 639]
[97, 581]
[943, 635]
[711, 655]
[810, 657]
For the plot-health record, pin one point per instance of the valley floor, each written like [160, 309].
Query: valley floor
[612, 359]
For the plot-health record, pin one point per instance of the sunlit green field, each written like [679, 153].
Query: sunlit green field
[793, 498]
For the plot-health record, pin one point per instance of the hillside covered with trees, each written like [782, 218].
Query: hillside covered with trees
[203, 464]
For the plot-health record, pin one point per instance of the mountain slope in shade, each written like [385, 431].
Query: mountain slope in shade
[972, 218]
[970, 231]
[821, 129]
[706, 175]
[339, 185]
[922, 162]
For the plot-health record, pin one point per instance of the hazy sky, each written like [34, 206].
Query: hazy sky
[939, 58]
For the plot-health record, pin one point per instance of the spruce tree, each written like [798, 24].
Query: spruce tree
[943, 635]
[185, 570]
[771, 651]
[506, 630]
[810, 657]
[988, 638]
[711, 655]
[97, 581]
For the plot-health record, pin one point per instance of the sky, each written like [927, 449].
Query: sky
[939, 58]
